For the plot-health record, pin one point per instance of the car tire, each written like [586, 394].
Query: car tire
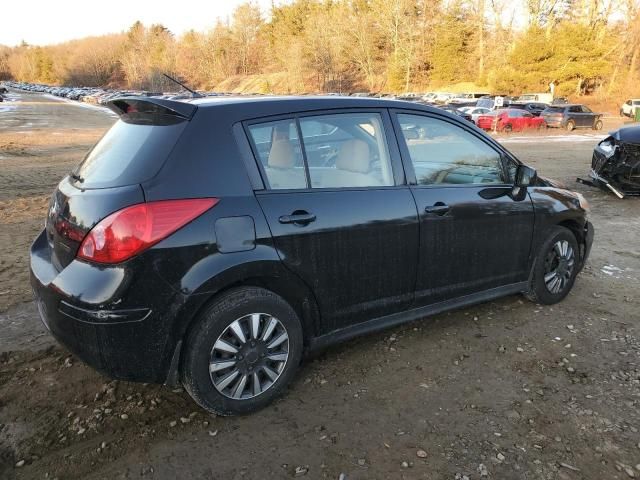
[558, 254]
[597, 125]
[571, 125]
[508, 128]
[210, 342]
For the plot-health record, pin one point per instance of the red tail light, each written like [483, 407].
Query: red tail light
[130, 231]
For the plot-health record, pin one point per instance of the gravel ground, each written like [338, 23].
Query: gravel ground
[505, 390]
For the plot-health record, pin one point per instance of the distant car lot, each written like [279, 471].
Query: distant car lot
[470, 106]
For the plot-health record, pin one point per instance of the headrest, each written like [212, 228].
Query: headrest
[354, 156]
[281, 154]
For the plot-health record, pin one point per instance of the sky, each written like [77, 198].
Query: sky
[42, 22]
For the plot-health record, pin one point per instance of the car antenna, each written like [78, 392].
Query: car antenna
[193, 92]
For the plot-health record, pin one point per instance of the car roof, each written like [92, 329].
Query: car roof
[249, 107]
[233, 109]
[302, 102]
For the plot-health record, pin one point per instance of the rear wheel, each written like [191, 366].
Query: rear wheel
[597, 125]
[242, 352]
[555, 268]
[571, 125]
[507, 128]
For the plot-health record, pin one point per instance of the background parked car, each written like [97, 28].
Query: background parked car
[536, 97]
[628, 108]
[509, 119]
[475, 112]
[572, 117]
[456, 111]
[534, 108]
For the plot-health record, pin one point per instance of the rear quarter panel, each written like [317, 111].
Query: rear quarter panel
[207, 162]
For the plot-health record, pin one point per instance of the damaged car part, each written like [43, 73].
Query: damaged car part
[615, 165]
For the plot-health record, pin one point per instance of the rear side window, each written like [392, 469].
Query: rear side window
[342, 151]
[354, 154]
[278, 149]
[128, 154]
[445, 154]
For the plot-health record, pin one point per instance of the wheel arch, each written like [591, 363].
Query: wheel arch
[578, 231]
[272, 276]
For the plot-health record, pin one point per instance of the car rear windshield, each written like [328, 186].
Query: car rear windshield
[128, 154]
[555, 109]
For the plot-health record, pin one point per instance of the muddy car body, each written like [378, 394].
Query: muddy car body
[210, 242]
[615, 164]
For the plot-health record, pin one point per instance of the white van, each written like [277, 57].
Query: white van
[536, 97]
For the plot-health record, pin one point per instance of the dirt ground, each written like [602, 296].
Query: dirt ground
[504, 390]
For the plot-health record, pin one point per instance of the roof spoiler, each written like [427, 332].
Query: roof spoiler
[151, 106]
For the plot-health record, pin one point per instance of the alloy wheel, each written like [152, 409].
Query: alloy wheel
[558, 267]
[249, 356]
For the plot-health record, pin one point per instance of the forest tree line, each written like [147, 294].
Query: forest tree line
[583, 46]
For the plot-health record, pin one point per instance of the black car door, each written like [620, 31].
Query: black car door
[470, 239]
[340, 213]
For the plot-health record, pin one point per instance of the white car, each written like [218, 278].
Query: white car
[443, 97]
[629, 107]
[475, 112]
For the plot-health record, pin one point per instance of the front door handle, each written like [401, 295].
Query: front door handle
[300, 218]
[438, 208]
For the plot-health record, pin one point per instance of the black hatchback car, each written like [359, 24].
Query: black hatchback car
[211, 242]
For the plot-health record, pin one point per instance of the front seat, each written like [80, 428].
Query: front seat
[281, 170]
[353, 165]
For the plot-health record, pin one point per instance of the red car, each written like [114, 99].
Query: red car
[510, 119]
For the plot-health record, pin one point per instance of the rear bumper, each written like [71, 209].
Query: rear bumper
[95, 312]
[554, 123]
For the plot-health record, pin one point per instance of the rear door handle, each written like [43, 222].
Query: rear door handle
[298, 218]
[438, 209]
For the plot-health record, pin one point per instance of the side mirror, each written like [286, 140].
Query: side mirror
[525, 176]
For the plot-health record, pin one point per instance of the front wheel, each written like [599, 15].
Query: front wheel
[597, 125]
[555, 268]
[242, 352]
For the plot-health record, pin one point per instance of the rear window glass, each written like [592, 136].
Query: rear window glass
[128, 154]
[555, 109]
